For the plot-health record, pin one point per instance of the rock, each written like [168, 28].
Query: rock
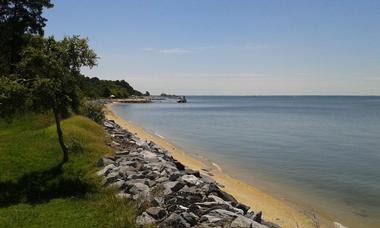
[108, 125]
[190, 217]
[121, 153]
[115, 144]
[207, 179]
[157, 213]
[110, 178]
[213, 188]
[191, 180]
[258, 216]
[104, 162]
[223, 214]
[243, 207]
[176, 221]
[105, 170]
[192, 172]
[157, 201]
[168, 187]
[174, 176]
[241, 222]
[118, 184]
[213, 198]
[138, 188]
[149, 156]
[145, 219]
[179, 165]
[177, 186]
[209, 219]
[123, 195]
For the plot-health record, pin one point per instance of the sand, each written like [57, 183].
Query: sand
[274, 209]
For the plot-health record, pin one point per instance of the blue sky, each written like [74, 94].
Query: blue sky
[231, 47]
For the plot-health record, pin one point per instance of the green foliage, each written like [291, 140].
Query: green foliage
[13, 98]
[36, 191]
[18, 20]
[96, 88]
[53, 67]
[93, 110]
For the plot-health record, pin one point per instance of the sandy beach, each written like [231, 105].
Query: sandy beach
[275, 210]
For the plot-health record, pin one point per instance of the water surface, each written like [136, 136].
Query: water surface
[320, 152]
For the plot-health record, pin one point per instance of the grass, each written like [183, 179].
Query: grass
[36, 190]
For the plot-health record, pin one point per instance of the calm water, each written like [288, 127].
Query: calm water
[321, 152]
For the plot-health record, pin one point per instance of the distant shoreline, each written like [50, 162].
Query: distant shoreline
[274, 209]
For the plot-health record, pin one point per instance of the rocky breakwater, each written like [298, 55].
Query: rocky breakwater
[172, 194]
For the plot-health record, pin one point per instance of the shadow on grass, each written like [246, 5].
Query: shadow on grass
[39, 187]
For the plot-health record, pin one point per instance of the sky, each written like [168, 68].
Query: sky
[235, 47]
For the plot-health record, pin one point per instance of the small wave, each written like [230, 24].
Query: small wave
[159, 135]
[338, 225]
[217, 167]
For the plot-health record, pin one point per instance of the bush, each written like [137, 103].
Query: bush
[92, 110]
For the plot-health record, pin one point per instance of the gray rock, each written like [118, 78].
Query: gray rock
[122, 153]
[157, 213]
[149, 156]
[157, 201]
[242, 222]
[105, 170]
[214, 198]
[178, 186]
[174, 176]
[211, 219]
[118, 184]
[258, 216]
[108, 125]
[191, 180]
[123, 195]
[242, 207]
[138, 188]
[190, 217]
[223, 214]
[175, 220]
[213, 188]
[110, 178]
[192, 172]
[145, 219]
[104, 162]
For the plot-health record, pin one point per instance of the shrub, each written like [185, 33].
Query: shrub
[92, 110]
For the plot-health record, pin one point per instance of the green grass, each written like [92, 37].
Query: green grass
[36, 190]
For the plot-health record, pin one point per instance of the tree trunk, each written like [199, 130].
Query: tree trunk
[65, 151]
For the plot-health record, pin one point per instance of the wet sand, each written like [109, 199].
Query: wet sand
[275, 210]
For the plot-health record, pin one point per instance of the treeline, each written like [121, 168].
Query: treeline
[97, 88]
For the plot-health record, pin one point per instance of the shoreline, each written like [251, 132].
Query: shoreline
[275, 210]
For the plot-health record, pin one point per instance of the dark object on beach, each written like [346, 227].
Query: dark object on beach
[182, 100]
[257, 217]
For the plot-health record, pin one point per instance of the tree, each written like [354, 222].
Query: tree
[19, 19]
[147, 93]
[51, 69]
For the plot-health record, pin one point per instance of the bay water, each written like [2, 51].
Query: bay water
[321, 153]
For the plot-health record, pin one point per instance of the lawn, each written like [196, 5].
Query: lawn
[36, 190]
